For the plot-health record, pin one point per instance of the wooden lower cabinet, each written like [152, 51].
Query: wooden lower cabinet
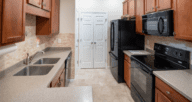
[127, 71]
[165, 93]
[160, 97]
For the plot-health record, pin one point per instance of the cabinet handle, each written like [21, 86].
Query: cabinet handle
[152, 8]
[156, 7]
[167, 92]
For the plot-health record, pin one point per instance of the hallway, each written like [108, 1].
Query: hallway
[105, 87]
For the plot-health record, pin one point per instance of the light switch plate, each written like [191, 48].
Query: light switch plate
[59, 40]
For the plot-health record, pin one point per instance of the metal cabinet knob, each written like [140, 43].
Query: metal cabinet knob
[167, 92]
[152, 8]
[156, 7]
[94, 42]
[91, 42]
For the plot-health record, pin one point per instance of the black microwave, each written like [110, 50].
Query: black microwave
[158, 23]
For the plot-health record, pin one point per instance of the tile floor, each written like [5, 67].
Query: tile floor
[105, 87]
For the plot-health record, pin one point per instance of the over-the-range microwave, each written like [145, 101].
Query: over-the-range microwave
[158, 23]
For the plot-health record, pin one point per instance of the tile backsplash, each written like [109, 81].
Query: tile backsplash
[31, 46]
[170, 41]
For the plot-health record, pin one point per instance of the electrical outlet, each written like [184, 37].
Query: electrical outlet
[147, 42]
[59, 40]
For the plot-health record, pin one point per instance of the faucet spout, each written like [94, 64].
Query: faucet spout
[29, 59]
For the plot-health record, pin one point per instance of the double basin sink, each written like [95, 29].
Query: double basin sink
[40, 67]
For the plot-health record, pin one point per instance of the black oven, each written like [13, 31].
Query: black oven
[141, 83]
[159, 23]
[142, 67]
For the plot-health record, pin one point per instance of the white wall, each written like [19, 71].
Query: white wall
[67, 16]
[113, 7]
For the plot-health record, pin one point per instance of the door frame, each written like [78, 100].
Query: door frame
[77, 24]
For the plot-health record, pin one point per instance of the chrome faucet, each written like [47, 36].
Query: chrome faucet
[28, 60]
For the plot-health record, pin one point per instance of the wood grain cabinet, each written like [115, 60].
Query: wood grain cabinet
[127, 70]
[183, 19]
[59, 78]
[160, 97]
[55, 16]
[125, 7]
[46, 5]
[163, 4]
[165, 93]
[47, 26]
[140, 10]
[149, 6]
[131, 7]
[13, 21]
[36, 3]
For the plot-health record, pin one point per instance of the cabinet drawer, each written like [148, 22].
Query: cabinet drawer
[127, 58]
[169, 92]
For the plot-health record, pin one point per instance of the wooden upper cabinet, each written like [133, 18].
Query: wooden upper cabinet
[149, 6]
[13, 21]
[46, 5]
[140, 10]
[55, 19]
[131, 7]
[160, 97]
[182, 19]
[36, 3]
[163, 4]
[125, 7]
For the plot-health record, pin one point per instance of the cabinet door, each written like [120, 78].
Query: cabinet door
[182, 19]
[140, 10]
[36, 3]
[62, 79]
[125, 8]
[0, 18]
[163, 4]
[13, 21]
[127, 73]
[55, 11]
[131, 7]
[160, 97]
[149, 6]
[46, 5]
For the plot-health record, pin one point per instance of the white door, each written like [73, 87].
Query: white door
[100, 31]
[86, 41]
[92, 45]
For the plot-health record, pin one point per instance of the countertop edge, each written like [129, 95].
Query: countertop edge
[172, 86]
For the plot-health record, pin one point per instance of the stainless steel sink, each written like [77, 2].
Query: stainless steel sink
[47, 61]
[34, 71]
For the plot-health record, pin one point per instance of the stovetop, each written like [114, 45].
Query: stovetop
[152, 63]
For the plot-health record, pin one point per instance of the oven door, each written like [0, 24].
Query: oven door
[142, 81]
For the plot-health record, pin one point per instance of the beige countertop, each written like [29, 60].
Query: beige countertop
[180, 80]
[136, 52]
[35, 88]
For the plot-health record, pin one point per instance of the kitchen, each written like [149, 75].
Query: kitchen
[49, 29]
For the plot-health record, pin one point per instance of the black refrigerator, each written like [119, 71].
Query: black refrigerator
[122, 37]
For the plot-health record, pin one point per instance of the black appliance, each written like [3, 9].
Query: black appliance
[123, 37]
[67, 69]
[142, 67]
[159, 23]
